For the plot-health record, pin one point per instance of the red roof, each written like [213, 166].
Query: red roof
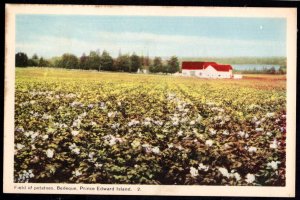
[223, 68]
[204, 65]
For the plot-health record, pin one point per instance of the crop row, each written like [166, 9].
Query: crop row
[152, 130]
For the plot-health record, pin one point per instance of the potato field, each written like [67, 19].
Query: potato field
[75, 126]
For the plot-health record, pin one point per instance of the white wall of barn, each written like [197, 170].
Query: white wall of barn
[185, 72]
[209, 72]
[189, 72]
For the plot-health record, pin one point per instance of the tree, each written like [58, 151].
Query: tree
[43, 62]
[21, 59]
[33, 61]
[106, 61]
[94, 60]
[173, 65]
[123, 63]
[53, 62]
[135, 63]
[83, 62]
[147, 61]
[142, 58]
[68, 61]
[157, 65]
[272, 70]
[282, 70]
[35, 57]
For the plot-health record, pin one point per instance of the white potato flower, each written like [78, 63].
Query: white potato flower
[45, 137]
[192, 122]
[91, 155]
[226, 132]
[76, 150]
[259, 129]
[224, 171]
[241, 133]
[98, 165]
[250, 178]
[203, 167]
[274, 144]
[74, 133]
[237, 176]
[212, 131]
[194, 172]
[180, 133]
[270, 114]
[273, 164]
[269, 133]
[252, 149]
[155, 150]
[20, 146]
[209, 142]
[77, 172]
[111, 114]
[50, 153]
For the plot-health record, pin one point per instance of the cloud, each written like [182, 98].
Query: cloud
[155, 44]
[148, 38]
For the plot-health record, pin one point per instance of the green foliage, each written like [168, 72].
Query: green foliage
[94, 60]
[68, 61]
[135, 63]
[83, 62]
[157, 65]
[126, 63]
[282, 70]
[145, 61]
[43, 62]
[53, 62]
[35, 57]
[34, 61]
[86, 127]
[21, 60]
[123, 63]
[173, 65]
[106, 61]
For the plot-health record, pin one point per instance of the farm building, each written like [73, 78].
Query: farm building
[142, 71]
[206, 70]
[237, 76]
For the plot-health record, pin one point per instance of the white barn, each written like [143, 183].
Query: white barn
[206, 70]
[142, 71]
[237, 76]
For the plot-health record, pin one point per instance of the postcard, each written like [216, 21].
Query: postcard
[143, 100]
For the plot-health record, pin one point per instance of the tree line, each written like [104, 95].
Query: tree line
[96, 60]
[22, 60]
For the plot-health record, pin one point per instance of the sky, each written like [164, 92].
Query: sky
[53, 35]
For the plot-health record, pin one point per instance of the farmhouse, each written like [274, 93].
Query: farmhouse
[206, 70]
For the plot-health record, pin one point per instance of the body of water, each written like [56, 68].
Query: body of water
[254, 66]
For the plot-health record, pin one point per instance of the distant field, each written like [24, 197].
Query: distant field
[75, 126]
[266, 76]
[278, 81]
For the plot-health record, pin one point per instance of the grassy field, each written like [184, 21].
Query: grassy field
[76, 126]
